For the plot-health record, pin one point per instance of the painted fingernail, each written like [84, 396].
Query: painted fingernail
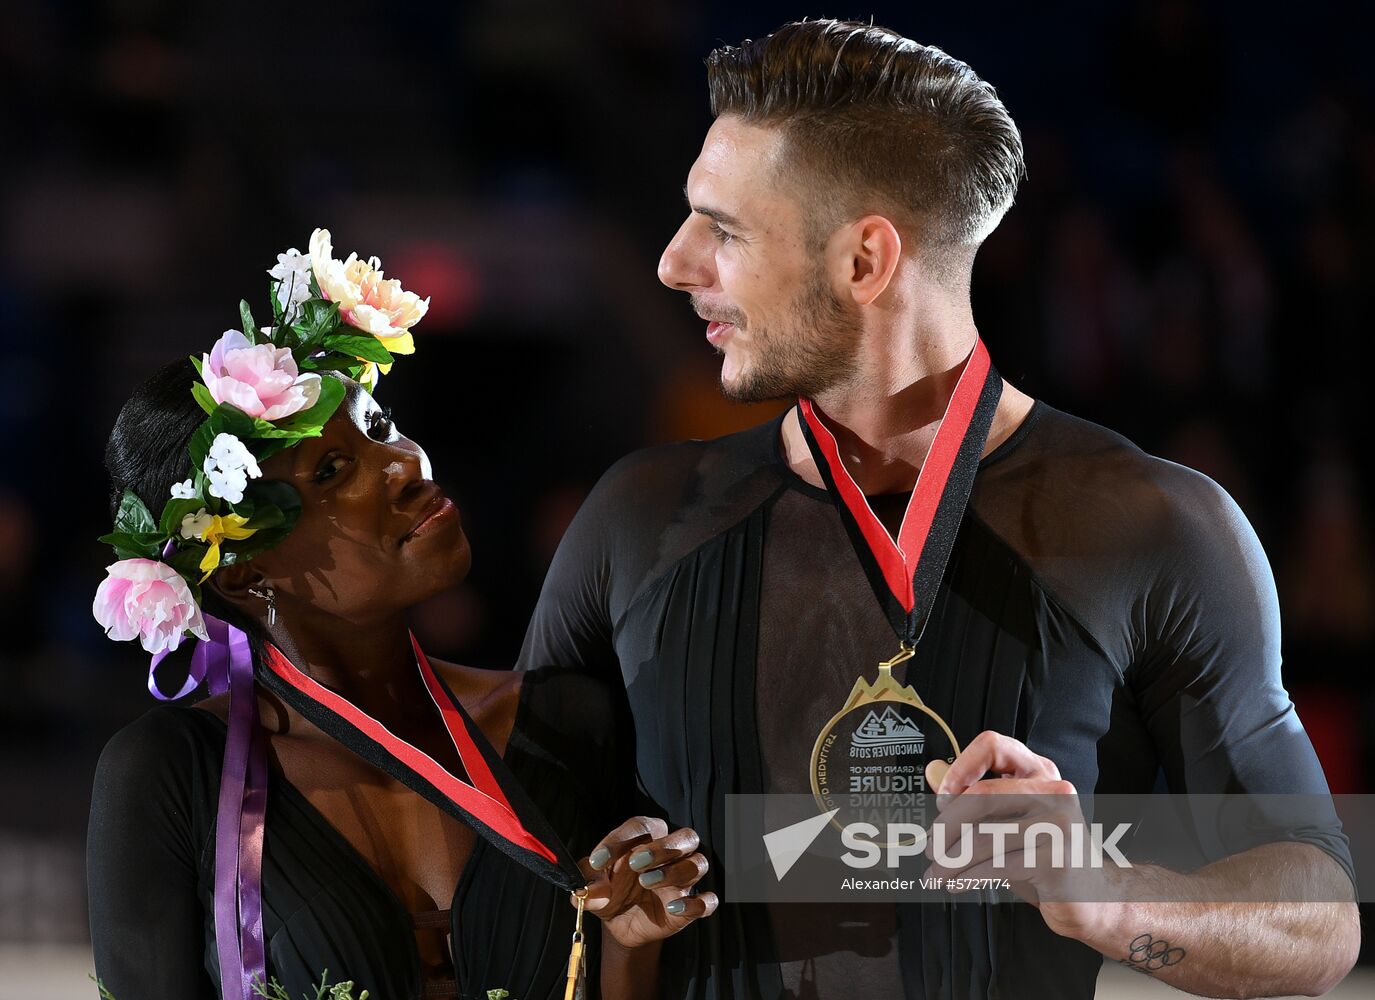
[599, 858]
[650, 879]
[676, 907]
[641, 858]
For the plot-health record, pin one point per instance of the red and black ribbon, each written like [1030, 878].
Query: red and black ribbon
[486, 797]
[905, 574]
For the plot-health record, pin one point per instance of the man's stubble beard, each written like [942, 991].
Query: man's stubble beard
[812, 350]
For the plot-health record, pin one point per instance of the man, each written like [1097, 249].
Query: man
[1103, 616]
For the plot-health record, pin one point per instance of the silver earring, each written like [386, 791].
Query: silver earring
[270, 596]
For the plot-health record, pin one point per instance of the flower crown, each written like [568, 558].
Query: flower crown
[262, 392]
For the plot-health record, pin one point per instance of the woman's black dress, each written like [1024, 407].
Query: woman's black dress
[151, 857]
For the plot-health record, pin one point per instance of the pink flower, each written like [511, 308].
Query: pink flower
[367, 302]
[149, 601]
[261, 380]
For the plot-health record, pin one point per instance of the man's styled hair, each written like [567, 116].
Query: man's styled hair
[878, 123]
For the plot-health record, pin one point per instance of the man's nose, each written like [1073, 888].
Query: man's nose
[687, 263]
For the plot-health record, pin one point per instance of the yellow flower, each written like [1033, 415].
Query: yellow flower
[214, 529]
[367, 301]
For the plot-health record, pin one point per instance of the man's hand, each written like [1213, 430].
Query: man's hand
[1042, 796]
[640, 880]
[1207, 947]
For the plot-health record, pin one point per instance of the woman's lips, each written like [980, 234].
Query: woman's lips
[439, 510]
[717, 332]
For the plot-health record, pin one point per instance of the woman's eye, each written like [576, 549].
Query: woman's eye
[720, 234]
[330, 467]
[380, 423]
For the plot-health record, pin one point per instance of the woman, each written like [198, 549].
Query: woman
[361, 878]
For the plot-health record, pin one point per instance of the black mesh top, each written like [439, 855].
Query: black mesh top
[151, 855]
[1112, 610]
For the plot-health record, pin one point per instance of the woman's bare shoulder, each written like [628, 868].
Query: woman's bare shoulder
[217, 705]
[479, 688]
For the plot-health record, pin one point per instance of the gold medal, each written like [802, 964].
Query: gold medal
[869, 760]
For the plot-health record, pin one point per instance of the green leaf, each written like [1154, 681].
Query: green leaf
[186, 560]
[250, 328]
[367, 348]
[274, 493]
[175, 510]
[229, 419]
[331, 395]
[331, 363]
[133, 516]
[135, 545]
[277, 316]
[286, 336]
[277, 508]
[197, 362]
[318, 318]
[268, 516]
[200, 444]
[307, 357]
[250, 548]
[203, 397]
[264, 430]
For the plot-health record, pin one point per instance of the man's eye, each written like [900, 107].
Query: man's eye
[330, 467]
[720, 234]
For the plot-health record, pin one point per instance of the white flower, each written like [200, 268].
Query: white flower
[229, 465]
[231, 453]
[293, 281]
[183, 490]
[195, 525]
[226, 485]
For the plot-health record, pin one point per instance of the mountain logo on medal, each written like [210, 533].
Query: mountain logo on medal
[886, 729]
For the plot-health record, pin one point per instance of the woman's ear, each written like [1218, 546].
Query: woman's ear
[236, 583]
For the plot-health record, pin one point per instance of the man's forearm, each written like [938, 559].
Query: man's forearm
[1239, 949]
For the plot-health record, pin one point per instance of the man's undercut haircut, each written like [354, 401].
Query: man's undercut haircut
[909, 132]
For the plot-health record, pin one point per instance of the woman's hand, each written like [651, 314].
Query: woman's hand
[640, 879]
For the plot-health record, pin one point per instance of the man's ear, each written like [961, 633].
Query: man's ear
[866, 255]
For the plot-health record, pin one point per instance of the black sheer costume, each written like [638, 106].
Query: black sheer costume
[151, 850]
[1112, 610]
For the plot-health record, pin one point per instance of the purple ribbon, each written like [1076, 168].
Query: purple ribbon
[225, 662]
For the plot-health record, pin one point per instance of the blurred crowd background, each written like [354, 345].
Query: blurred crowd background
[1188, 263]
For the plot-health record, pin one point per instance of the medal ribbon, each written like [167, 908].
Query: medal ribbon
[490, 801]
[905, 574]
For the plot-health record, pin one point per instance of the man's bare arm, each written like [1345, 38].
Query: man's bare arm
[1245, 949]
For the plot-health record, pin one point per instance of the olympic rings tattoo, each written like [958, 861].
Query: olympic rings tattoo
[1149, 955]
